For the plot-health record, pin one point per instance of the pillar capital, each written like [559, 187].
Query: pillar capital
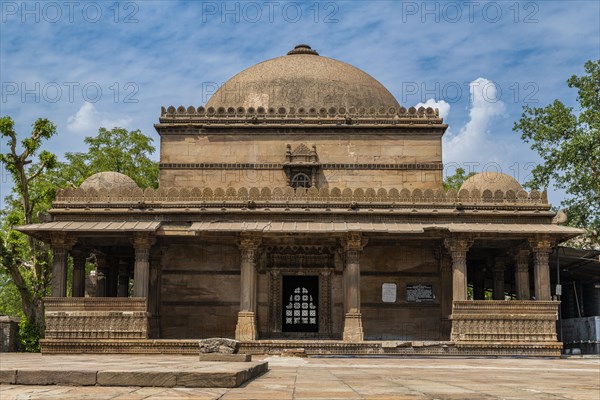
[249, 244]
[354, 241]
[456, 245]
[62, 242]
[142, 241]
[249, 240]
[541, 245]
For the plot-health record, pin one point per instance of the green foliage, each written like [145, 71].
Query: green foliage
[568, 142]
[118, 150]
[30, 335]
[455, 181]
[10, 302]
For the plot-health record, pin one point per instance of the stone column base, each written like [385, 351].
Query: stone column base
[245, 329]
[353, 331]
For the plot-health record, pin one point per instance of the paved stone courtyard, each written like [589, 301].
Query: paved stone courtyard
[367, 378]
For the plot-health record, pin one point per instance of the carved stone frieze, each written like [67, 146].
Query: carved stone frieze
[299, 257]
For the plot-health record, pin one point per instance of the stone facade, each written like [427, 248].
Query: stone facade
[322, 224]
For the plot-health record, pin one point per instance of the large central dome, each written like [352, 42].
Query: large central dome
[302, 79]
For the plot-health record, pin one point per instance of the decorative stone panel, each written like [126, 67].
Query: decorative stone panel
[504, 321]
[96, 318]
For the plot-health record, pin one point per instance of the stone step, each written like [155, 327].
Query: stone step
[199, 374]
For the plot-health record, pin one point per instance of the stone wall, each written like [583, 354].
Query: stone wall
[400, 264]
[347, 156]
[200, 290]
[9, 330]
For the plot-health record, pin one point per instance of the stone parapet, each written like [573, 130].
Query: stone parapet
[291, 115]
[96, 318]
[511, 322]
[329, 196]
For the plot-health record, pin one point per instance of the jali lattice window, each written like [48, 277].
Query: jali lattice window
[301, 181]
[301, 310]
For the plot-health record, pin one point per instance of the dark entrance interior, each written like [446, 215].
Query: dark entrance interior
[300, 304]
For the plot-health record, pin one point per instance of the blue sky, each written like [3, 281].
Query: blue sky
[90, 64]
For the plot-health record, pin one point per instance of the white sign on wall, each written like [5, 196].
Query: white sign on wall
[388, 292]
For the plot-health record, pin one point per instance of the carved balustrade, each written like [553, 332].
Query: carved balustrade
[504, 321]
[96, 318]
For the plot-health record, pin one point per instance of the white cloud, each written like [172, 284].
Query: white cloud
[473, 142]
[87, 120]
[441, 105]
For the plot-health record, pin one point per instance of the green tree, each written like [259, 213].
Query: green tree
[455, 181]
[118, 150]
[568, 142]
[25, 259]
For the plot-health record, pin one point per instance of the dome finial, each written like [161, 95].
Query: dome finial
[302, 49]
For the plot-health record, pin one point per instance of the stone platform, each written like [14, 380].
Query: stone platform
[364, 378]
[125, 370]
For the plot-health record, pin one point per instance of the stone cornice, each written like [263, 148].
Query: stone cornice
[406, 214]
[347, 115]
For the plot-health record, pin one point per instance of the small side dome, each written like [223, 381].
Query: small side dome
[108, 180]
[491, 181]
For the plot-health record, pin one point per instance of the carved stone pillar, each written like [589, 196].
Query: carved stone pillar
[123, 287]
[499, 267]
[353, 245]
[541, 269]
[79, 258]
[154, 293]
[141, 271]
[325, 326]
[113, 277]
[479, 280]
[446, 286]
[458, 247]
[246, 325]
[522, 274]
[274, 301]
[446, 294]
[60, 248]
[101, 272]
